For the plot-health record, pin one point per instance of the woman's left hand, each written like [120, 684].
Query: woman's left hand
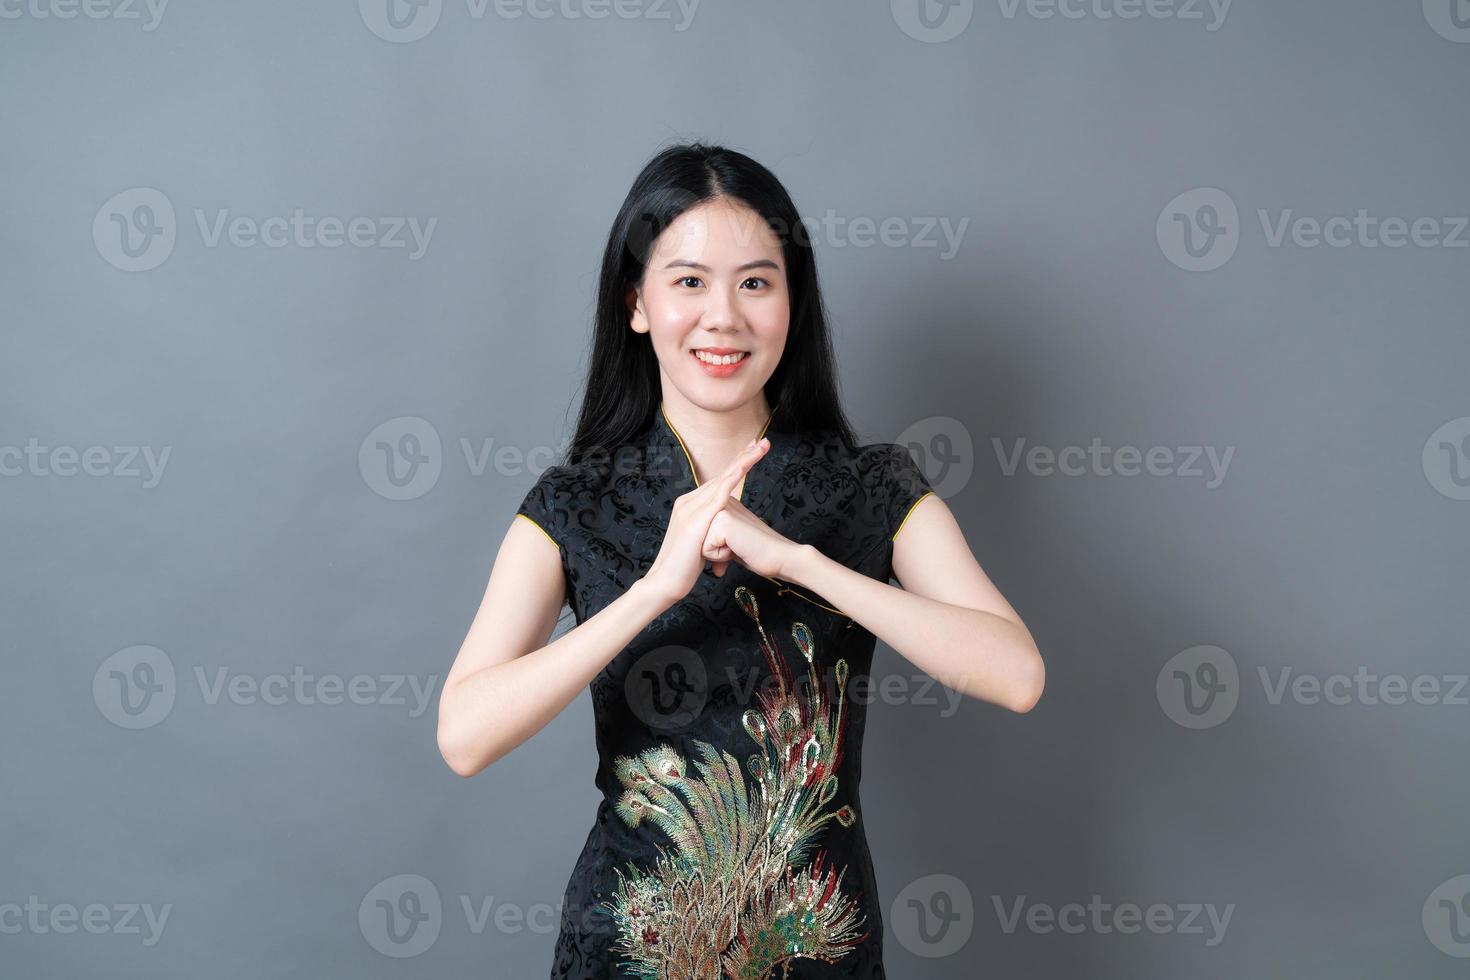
[737, 534]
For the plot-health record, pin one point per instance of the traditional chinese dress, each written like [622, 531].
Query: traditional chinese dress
[729, 840]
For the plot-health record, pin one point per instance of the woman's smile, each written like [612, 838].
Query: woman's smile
[719, 362]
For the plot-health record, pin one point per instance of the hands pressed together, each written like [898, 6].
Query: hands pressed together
[710, 524]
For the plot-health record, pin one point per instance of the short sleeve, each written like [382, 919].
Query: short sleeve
[541, 507]
[545, 505]
[906, 485]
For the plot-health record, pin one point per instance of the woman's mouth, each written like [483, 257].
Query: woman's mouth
[719, 362]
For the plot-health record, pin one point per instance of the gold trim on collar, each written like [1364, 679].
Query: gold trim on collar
[782, 588]
[740, 491]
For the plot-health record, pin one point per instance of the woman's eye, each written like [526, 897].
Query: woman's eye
[695, 280]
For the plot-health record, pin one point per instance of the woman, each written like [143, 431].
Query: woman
[730, 839]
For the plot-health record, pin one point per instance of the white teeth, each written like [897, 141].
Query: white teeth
[720, 359]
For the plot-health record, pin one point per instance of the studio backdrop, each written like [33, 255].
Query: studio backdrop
[1168, 298]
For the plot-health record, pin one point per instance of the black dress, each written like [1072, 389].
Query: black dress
[729, 842]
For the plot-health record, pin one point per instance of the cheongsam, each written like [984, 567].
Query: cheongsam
[729, 838]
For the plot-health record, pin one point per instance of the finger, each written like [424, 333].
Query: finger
[742, 464]
[736, 507]
[715, 546]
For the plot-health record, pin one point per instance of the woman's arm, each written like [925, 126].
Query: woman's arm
[948, 618]
[497, 695]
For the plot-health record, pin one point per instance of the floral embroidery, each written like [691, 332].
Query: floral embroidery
[740, 892]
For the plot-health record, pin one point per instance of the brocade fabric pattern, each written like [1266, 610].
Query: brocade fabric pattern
[729, 840]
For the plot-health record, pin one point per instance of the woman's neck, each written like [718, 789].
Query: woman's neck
[713, 439]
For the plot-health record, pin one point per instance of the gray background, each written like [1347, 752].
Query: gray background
[271, 543]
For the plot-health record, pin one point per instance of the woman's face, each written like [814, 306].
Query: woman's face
[715, 290]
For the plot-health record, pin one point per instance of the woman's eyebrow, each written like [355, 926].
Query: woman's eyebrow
[690, 263]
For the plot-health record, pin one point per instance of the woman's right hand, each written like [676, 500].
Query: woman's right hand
[681, 557]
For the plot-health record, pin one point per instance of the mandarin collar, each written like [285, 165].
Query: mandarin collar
[668, 449]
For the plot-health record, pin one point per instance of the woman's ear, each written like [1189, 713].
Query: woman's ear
[634, 302]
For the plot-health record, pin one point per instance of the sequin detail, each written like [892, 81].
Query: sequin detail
[742, 888]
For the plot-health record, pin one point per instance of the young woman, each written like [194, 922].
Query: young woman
[730, 838]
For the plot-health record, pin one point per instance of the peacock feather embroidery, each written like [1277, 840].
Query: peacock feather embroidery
[742, 889]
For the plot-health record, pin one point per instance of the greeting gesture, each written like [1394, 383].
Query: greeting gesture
[681, 556]
[736, 533]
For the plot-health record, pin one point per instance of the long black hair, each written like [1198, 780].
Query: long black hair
[622, 389]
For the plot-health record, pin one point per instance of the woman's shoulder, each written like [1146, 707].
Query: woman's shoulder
[557, 493]
[892, 479]
[874, 460]
[573, 477]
